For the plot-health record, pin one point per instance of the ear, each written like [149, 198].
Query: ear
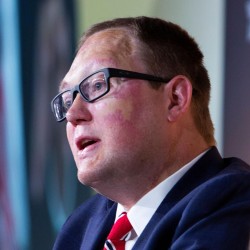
[179, 92]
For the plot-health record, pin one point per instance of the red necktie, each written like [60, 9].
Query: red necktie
[118, 234]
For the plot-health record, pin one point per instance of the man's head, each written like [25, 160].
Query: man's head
[141, 129]
[167, 50]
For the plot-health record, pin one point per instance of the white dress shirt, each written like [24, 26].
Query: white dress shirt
[140, 214]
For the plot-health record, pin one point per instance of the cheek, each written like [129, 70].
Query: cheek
[122, 107]
[120, 112]
[118, 119]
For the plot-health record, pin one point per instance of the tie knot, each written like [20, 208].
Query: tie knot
[121, 228]
[118, 234]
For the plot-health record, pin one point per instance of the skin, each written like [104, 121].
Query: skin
[142, 135]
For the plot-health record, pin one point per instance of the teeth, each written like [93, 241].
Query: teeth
[86, 143]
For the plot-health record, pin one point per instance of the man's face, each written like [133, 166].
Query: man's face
[118, 139]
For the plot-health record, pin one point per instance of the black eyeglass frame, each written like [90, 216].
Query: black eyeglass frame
[108, 73]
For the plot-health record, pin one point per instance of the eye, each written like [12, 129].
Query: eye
[67, 103]
[94, 86]
[66, 99]
[98, 85]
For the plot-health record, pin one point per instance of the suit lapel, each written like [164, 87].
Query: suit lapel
[98, 229]
[207, 167]
[165, 219]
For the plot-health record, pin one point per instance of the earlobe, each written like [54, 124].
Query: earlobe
[179, 91]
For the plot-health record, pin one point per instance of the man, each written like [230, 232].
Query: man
[136, 103]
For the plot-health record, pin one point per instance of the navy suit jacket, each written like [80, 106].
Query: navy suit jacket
[209, 208]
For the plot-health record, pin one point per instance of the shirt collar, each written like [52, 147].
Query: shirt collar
[141, 213]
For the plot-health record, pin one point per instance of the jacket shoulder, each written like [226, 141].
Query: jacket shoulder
[72, 232]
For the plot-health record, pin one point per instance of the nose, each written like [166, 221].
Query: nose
[79, 111]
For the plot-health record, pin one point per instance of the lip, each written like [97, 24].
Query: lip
[86, 144]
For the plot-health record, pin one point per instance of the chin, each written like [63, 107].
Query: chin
[82, 178]
[88, 178]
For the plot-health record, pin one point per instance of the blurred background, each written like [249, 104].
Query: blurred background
[38, 184]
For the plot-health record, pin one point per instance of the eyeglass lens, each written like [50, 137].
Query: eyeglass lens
[90, 89]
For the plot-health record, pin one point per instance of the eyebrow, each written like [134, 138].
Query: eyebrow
[63, 85]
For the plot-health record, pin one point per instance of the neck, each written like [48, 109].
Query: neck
[128, 189]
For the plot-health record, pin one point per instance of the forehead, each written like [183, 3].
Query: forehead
[108, 48]
[111, 39]
[116, 46]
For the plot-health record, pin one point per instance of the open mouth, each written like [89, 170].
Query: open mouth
[86, 143]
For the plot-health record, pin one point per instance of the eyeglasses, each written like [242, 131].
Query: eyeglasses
[94, 87]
